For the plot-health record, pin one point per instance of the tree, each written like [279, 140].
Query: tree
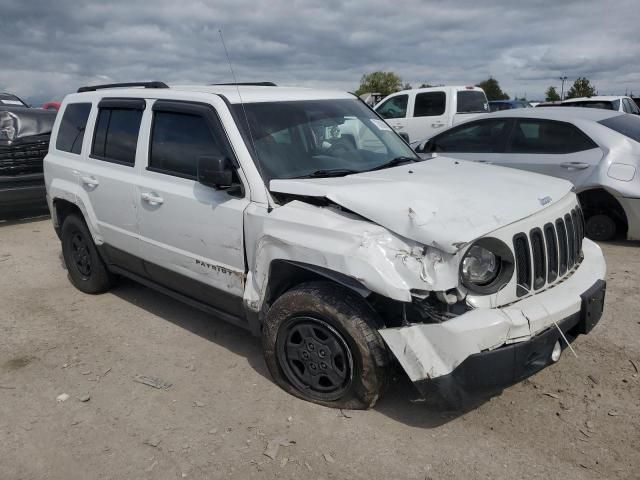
[552, 95]
[384, 83]
[581, 88]
[492, 89]
[426, 85]
[407, 86]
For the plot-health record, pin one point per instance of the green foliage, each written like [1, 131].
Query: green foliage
[426, 85]
[552, 95]
[407, 86]
[384, 83]
[581, 88]
[492, 89]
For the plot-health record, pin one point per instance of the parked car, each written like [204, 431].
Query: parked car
[24, 140]
[497, 105]
[636, 100]
[425, 111]
[549, 104]
[617, 103]
[341, 249]
[597, 150]
[51, 106]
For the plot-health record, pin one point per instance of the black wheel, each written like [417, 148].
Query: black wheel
[321, 345]
[600, 227]
[87, 271]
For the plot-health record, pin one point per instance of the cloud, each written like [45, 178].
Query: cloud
[49, 52]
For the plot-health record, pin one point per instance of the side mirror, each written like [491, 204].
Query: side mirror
[215, 171]
[405, 136]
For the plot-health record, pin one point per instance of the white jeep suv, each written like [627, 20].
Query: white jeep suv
[301, 216]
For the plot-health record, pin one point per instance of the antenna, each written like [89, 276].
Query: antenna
[244, 111]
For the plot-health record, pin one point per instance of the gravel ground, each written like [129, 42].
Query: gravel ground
[577, 419]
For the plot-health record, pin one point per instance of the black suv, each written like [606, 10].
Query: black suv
[24, 141]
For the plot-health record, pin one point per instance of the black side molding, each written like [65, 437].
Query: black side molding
[93, 88]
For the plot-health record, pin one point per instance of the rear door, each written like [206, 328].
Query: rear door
[395, 111]
[191, 235]
[559, 149]
[108, 175]
[428, 116]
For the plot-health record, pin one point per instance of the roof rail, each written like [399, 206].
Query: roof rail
[93, 88]
[250, 84]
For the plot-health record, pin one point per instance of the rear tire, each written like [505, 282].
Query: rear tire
[321, 344]
[87, 272]
[600, 227]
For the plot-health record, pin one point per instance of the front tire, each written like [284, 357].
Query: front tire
[320, 344]
[87, 271]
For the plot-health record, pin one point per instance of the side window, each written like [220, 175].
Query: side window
[625, 105]
[542, 136]
[486, 136]
[177, 140]
[116, 134]
[395, 107]
[430, 104]
[72, 126]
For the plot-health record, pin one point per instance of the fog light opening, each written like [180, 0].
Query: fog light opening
[556, 352]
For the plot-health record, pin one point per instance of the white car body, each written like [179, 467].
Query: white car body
[445, 108]
[617, 103]
[607, 166]
[398, 233]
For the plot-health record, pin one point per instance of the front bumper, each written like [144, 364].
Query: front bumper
[17, 197]
[489, 348]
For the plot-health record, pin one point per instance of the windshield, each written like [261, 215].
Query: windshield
[319, 138]
[627, 125]
[472, 101]
[12, 100]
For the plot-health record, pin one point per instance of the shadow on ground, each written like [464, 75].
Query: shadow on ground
[401, 402]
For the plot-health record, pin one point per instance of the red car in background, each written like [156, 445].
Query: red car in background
[51, 106]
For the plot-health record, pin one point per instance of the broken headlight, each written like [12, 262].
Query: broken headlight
[8, 126]
[487, 266]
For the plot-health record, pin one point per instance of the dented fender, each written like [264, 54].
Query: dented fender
[333, 239]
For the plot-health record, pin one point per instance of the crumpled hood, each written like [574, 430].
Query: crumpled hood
[441, 202]
[28, 122]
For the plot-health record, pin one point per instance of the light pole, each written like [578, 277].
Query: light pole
[562, 78]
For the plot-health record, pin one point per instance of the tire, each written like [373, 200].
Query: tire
[321, 321]
[87, 271]
[600, 227]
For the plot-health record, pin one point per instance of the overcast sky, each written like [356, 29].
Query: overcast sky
[51, 48]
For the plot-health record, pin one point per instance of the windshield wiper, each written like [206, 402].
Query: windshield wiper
[394, 163]
[330, 172]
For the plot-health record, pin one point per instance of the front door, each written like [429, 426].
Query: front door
[191, 235]
[395, 112]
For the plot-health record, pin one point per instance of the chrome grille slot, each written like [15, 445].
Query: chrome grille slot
[539, 260]
[552, 252]
[562, 246]
[523, 264]
[571, 257]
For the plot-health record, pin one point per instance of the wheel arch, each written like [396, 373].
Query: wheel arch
[61, 209]
[600, 201]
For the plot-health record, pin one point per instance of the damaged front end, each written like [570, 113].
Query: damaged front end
[24, 142]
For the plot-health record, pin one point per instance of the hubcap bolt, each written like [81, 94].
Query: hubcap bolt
[311, 346]
[321, 353]
[323, 365]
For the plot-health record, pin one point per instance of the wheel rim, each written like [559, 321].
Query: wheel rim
[315, 358]
[80, 254]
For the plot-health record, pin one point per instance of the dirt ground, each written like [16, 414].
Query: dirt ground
[577, 419]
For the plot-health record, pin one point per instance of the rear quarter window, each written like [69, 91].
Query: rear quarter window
[472, 101]
[72, 127]
[627, 125]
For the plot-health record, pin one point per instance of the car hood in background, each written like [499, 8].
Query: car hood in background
[29, 122]
[441, 202]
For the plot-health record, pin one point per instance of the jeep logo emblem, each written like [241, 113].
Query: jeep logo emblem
[545, 200]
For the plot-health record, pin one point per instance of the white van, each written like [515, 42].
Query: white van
[423, 112]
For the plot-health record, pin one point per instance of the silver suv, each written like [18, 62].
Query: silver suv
[301, 216]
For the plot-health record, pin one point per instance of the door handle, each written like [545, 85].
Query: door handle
[398, 127]
[488, 162]
[89, 181]
[152, 198]
[574, 165]
[437, 125]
